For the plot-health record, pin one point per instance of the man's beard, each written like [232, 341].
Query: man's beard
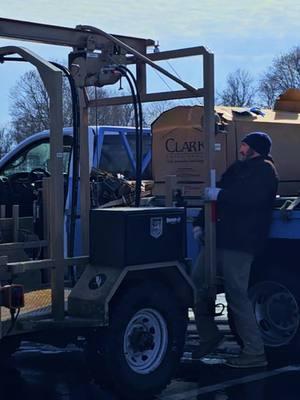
[249, 154]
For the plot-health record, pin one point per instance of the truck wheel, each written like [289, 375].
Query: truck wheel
[142, 346]
[276, 307]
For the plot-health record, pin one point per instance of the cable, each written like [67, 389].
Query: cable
[140, 112]
[174, 70]
[164, 81]
[169, 87]
[139, 129]
[14, 317]
[75, 169]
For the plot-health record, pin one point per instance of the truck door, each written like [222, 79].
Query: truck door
[23, 170]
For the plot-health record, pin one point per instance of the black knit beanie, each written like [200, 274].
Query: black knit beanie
[259, 141]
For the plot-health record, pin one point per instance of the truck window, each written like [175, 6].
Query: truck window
[37, 156]
[115, 158]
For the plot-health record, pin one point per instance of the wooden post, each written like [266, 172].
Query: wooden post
[170, 184]
[3, 211]
[53, 83]
[45, 205]
[46, 232]
[3, 261]
[15, 216]
[2, 215]
[209, 130]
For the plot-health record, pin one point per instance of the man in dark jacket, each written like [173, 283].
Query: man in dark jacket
[244, 199]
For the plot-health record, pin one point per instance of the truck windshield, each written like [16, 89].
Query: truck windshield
[37, 156]
[115, 159]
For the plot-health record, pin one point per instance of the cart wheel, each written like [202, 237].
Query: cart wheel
[139, 352]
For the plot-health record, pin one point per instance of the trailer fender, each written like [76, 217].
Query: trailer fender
[99, 287]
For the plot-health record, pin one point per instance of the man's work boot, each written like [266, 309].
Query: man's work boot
[245, 360]
[209, 334]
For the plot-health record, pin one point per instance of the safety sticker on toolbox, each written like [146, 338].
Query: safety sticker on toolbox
[156, 227]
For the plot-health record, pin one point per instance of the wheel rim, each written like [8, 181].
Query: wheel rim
[276, 311]
[145, 341]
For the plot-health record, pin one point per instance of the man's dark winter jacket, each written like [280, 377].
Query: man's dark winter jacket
[244, 205]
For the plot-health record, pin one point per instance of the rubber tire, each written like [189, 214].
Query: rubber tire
[275, 355]
[277, 264]
[288, 353]
[105, 352]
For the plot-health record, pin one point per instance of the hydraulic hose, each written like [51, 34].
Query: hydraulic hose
[139, 129]
[75, 168]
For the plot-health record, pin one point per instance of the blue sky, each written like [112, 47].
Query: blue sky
[242, 34]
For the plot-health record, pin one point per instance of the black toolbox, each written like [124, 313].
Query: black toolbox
[131, 236]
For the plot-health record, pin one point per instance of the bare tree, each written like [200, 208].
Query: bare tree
[29, 108]
[239, 91]
[153, 110]
[118, 115]
[284, 73]
[6, 142]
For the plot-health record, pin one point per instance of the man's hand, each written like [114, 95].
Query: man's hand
[197, 232]
[211, 193]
